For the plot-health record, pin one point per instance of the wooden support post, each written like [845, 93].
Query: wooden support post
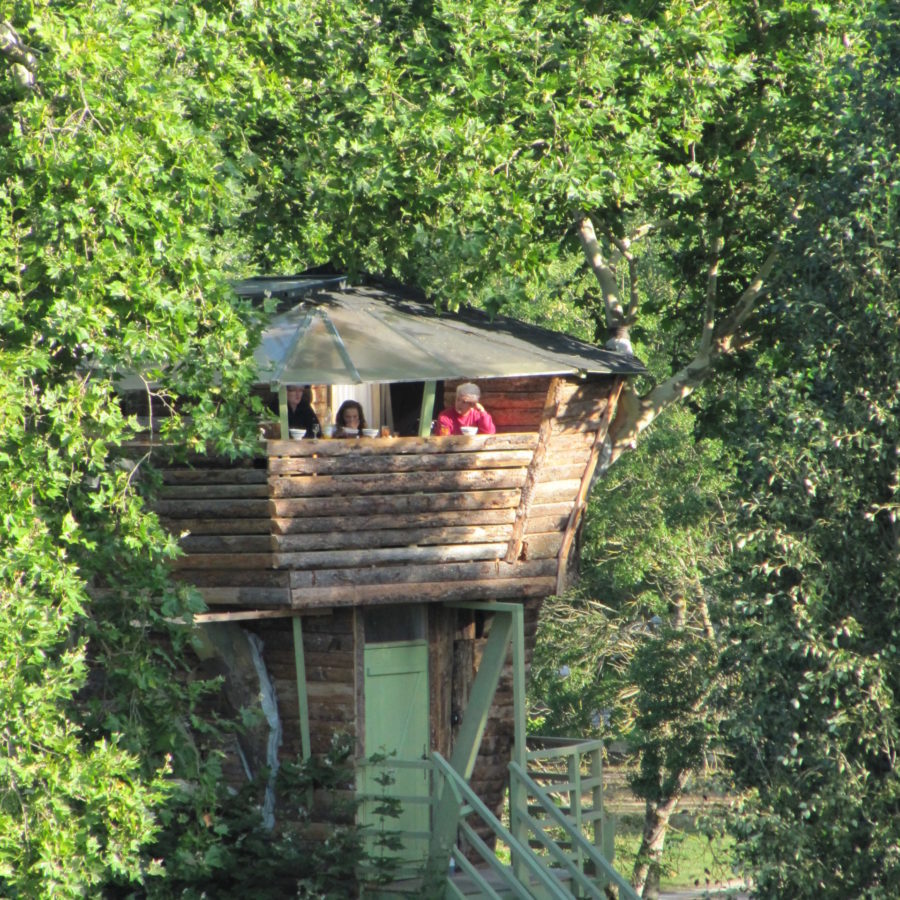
[585, 486]
[551, 408]
[302, 698]
[427, 408]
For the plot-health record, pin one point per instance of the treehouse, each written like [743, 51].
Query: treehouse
[388, 587]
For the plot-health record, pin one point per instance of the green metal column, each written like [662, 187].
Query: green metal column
[283, 411]
[427, 408]
[302, 699]
[465, 751]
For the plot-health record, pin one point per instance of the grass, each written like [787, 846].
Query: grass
[690, 858]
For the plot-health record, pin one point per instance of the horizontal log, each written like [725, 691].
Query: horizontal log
[236, 475]
[221, 525]
[562, 508]
[331, 674]
[515, 422]
[268, 577]
[547, 474]
[213, 491]
[248, 615]
[330, 717]
[312, 524]
[556, 491]
[542, 546]
[574, 426]
[388, 463]
[401, 483]
[381, 556]
[361, 595]
[340, 646]
[191, 509]
[245, 596]
[226, 561]
[445, 572]
[574, 442]
[401, 446]
[346, 662]
[399, 504]
[591, 413]
[502, 386]
[569, 459]
[326, 692]
[541, 524]
[390, 537]
[530, 400]
[227, 543]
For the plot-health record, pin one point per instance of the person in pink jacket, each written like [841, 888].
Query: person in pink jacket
[466, 411]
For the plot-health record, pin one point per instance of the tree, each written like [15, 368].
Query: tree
[633, 654]
[477, 148]
[116, 241]
[812, 644]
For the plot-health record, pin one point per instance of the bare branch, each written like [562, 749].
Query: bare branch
[22, 61]
[615, 315]
[729, 326]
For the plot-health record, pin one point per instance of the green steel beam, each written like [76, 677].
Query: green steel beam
[517, 613]
[283, 411]
[302, 699]
[425, 413]
[465, 750]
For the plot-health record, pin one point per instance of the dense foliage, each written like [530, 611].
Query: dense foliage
[814, 637]
[150, 153]
[118, 198]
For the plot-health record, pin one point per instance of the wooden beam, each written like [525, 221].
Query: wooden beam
[241, 615]
[399, 446]
[398, 504]
[388, 463]
[537, 460]
[401, 483]
[585, 486]
[372, 594]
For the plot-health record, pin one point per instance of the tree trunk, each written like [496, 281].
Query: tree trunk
[645, 876]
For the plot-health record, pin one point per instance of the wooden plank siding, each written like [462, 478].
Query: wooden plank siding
[334, 523]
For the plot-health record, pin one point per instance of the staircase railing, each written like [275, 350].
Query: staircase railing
[571, 772]
[555, 840]
[531, 809]
[531, 871]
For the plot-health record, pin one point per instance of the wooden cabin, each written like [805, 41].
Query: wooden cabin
[393, 584]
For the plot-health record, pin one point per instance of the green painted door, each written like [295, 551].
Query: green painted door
[396, 723]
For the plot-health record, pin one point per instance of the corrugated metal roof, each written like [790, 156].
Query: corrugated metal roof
[337, 335]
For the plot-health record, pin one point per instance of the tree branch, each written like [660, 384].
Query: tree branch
[709, 319]
[22, 61]
[615, 315]
[637, 413]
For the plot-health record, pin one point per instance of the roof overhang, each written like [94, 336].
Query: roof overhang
[337, 335]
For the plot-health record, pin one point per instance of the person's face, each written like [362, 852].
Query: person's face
[294, 396]
[464, 403]
[351, 417]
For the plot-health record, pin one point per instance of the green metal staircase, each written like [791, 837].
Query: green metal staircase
[558, 844]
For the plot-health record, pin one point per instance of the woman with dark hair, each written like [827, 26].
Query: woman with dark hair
[300, 412]
[350, 420]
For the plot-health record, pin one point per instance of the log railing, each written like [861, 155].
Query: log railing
[327, 523]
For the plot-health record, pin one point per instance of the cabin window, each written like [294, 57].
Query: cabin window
[386, 624]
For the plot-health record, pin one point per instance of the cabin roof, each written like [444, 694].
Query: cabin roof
[333, 334]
